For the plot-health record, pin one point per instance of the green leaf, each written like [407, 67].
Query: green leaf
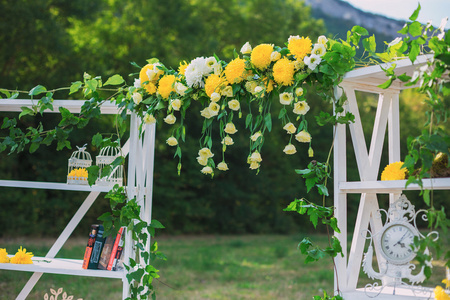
[114, 80]
[360, 30]
[97, 140]
[414, 51]
[370, 44]
[415, 14]
[156, 224]
[248, 120]
[415, 29]
[26, 111]
[39, 89]
[75, 87]
[268, 121]
[313, 216]
[386, 84]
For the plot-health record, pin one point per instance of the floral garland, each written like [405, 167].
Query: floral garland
[251, 80]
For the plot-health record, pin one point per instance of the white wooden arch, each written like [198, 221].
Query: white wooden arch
[140, 151]
[387, 117]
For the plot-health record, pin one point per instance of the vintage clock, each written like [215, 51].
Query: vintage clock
[395, 244]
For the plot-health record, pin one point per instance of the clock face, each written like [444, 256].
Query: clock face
[396, 242]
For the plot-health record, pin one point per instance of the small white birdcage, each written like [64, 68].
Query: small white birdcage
[106, 156]
[78, 162]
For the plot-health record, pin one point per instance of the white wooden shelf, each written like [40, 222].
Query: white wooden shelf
[400, 293]
[385, 187]
[54, 186]
[63, 266]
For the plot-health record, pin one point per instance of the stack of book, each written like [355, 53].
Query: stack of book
[102, 252]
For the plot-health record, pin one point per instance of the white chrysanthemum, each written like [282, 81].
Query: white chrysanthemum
[195, 71]
[312, 61]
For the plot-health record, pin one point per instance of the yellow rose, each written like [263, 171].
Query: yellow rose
[234, 105]
[290, 128]
[246, 48]
[303, 137]
[180, 88]
[301, 108]
[298, 92]
[202, 160]
[172, 141]
[215, 97]
[149, 119]
[207, 170]
[222, 166]
[230, 128]
[170, 119]
[208, 113]
[290, 149]
[255, 157]
[227, 91]
[176, 104]
[286, 98]
[137, 98]
[254, 165]
[228, 141]
[205, 152]
[255, 136]
[275, 56]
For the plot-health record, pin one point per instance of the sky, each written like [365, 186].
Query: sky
[433, 10]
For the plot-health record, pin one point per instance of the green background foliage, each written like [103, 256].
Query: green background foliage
[53, 42]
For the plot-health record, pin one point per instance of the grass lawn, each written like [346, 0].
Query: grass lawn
[198, 267]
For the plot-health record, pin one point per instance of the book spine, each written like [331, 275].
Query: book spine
[118, 254]
[97, 249]
[90, 245]
[106, 252]
[114, 250]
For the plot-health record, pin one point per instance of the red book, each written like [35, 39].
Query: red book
[90, 245]
[115, 247]
[118, 254]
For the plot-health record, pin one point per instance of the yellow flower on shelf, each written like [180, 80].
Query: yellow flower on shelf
[214, 83]
[176, 104]
[215, 97]
[256, 157]
[255, 136]
[286, 98]
[205, 152]
[22, 257]
[3, 256]
[440, 294]
[149, 119]
[228, 141]
[283, 71]
[166, 86]
[180, 88]
[80, 172]
[299, 46]
[148, 76]
[394, 171]
[260, 56]
[227, 91]
[235, 71]
[301, 108]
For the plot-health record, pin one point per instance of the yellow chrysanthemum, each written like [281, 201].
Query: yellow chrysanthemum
[235, 71]
[394, 171]
[440, 294]
[299, 46]
[268, 83]
[283, 71]
[182, 67]
[22, 257]
[214, 83]
[147, 83]
[260, 57]
[3, 256]
[166, 85]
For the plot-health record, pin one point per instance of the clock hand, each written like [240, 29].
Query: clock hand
[401, 239]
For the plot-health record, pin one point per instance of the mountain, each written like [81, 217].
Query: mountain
[340, 16]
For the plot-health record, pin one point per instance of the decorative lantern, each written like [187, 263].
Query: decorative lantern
[106, 156]
[78, 162]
